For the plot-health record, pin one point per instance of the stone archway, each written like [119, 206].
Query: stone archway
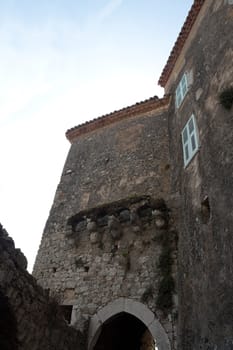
[132, 307]
[125, 332]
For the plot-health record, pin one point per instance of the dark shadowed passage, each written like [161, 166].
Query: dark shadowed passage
[8, 328]
[125, 332]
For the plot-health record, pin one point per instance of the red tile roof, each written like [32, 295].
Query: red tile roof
[184, 33]
[148, 105]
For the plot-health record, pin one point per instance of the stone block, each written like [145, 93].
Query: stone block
[94, 330]
[94, 237]
[159, 335]
[111, 309]
[139, 310]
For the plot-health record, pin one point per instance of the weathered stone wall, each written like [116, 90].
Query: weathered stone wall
[206, 218]
[29, 320]
[101, 241]
[93, 252]
[125, 159]
[116, 251]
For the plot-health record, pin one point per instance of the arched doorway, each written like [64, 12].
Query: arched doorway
[133, 319]
[126, 332]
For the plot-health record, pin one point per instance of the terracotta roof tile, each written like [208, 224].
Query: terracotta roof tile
[182, 37]
[130, 111]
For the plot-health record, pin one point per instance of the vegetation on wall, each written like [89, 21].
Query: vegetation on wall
[167, 285]
[164, 300]
[226, 98]
[148, 294]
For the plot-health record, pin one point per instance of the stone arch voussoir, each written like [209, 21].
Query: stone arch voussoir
[135, 308]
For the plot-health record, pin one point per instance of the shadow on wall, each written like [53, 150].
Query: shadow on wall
[8, 327]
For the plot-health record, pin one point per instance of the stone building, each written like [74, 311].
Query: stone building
[138, 243]
[105, 237]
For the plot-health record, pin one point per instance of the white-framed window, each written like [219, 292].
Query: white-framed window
[181, 90]
[190, 140]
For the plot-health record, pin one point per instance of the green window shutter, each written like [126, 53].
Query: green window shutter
[189, 140]
[181, 90]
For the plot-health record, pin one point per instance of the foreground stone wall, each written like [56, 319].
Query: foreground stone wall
[29, 320]
[205, 225]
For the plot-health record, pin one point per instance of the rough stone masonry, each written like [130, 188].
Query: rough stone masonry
[29, 319]
[135, 234]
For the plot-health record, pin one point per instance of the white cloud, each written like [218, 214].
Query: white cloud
[108, 9]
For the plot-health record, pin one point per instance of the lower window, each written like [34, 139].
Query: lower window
[67, 312]
[190, 140]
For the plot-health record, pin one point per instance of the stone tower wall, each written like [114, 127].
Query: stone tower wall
[123, 160]
[105, 235]
[205, 185]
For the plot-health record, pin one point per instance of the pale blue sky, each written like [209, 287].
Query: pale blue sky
[63, 62]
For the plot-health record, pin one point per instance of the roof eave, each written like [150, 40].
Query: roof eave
[151, 104]
[180, 42]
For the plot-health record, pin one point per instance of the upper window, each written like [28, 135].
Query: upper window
[181, 90]
[189, 140]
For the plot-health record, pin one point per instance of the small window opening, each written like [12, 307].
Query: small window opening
[205, 210]
[67, 312]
